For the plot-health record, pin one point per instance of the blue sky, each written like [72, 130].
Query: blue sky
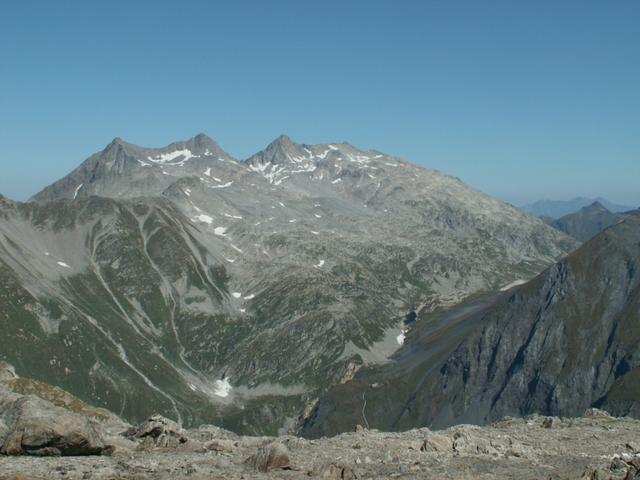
[523, 100]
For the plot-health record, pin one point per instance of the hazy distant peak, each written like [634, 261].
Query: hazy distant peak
[596, 206]
[560, 208]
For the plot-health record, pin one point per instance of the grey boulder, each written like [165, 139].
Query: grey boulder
[30, 425]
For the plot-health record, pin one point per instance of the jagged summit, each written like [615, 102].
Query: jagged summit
[283, 141]
[200, 143]
[309, 166]
[280, 151]
[123, 169]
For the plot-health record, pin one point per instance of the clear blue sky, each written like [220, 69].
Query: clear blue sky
[521, 99]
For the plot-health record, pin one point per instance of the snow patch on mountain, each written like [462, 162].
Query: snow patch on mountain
[75, 193]
[165, 158]
[204, 219]
[222, 388]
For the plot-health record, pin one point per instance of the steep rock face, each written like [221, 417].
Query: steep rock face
[182, 281]
[587, 222]
[563, 342]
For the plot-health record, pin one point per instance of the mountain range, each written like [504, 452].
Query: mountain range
[558, 208]
[184, 281]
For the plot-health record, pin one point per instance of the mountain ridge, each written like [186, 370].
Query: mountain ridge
[587, 222]
[252, 290]
[558, 208]
[565, 341]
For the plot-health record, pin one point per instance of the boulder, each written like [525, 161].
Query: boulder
[437, 443]
[596, 413]
[472, 443]
[30, 425]
[226, 446]
[158, 431]
[270, 456]
[338, 472]
[7, 372]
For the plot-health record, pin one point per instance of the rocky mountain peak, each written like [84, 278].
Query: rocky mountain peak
[283, 141]
[203, 144]
[281, 151]
[123, 169]
[595, 207]
[119, 144]
[587, 222]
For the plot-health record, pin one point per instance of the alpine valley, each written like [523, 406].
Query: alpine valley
[183, 281]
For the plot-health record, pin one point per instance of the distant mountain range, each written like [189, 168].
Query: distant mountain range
[559, 208]
[587, 222]
[565, 341]
[183, 281]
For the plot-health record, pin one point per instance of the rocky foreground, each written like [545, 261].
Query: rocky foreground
[45, 433]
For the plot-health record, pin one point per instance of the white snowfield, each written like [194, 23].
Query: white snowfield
[64, 265]
[400, 338]
[513, 284]
[164, 158]
[222, 388]
[204, 219]
[228, 184]
[75, 193]
[220, 231]
[236, 294]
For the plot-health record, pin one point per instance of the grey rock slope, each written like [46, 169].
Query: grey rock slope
[587, 222]
[565, 341]
[560, 208]
[183, 281]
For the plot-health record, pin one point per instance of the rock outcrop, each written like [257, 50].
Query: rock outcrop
[268, 457]
[158, 431]
[590, 447]
[30, 425]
